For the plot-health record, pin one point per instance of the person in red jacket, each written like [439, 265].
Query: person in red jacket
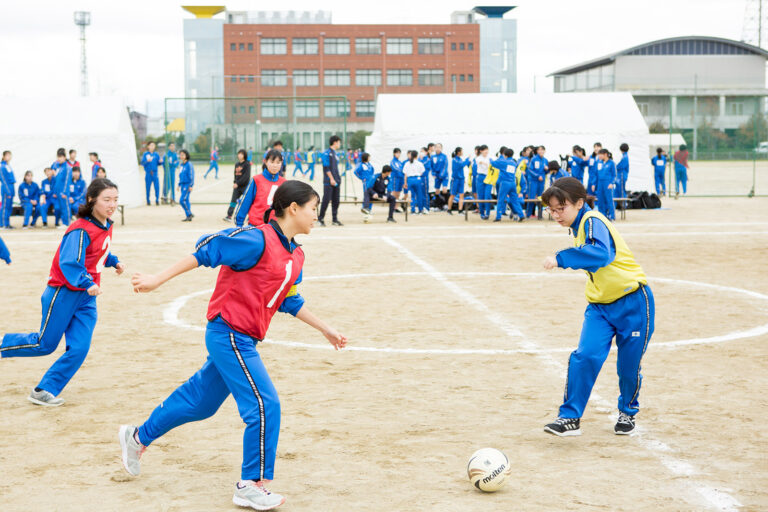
[261, 267]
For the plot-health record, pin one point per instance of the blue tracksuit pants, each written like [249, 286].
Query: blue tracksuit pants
[605, 201]
[535, 189]
[184, 200]
[233, 366]
[416, 187]
[65, 312]
[311, 171]
[169, 183]
[151, 178]
[659, 179]
[631, 320]
[42, 210]
[30, 210]
[483, 192]
[5, 213]
[620, 190]
[508, 194]
[681, 178]
[214, 166]
[61, 209]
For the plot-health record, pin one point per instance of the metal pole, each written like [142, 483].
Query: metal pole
[295, 132]
[695, 108]
[758, 112]
[669, 156]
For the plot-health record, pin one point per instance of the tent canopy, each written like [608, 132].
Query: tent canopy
[34, 128]
[558, 121]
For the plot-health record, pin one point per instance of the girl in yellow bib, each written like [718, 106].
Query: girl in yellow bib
[620, 305]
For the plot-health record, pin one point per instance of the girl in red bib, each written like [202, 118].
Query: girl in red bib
[69, 301]
[260, 270]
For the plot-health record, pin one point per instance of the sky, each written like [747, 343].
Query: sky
[136, 52]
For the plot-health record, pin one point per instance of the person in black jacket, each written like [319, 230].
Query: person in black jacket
[378, 191]
[242, 178]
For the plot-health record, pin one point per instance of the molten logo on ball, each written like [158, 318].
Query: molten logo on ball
[488, 469]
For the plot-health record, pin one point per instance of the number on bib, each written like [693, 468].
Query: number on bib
[288, 269]
[271, 195]
[104, 247]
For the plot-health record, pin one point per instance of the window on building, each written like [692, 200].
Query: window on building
[643, 107]
[306, 77]
[242, 78]
[250, 47]
[273, 46]
[367, 46]
[470, 78]
[274, 77]
[431, 77]
[736, 108]
[250, 78]
[234, 110]
[304, 46]
[233, 78]
[430, 45]
[453, 78]
[368, 77]
[307, 108]
[336, 46]
[399, 77]
[242, 110]
[471, 46]
[453, 46]
[461, 78]
[336, 78]
[399, 46]
[251, 109]
[461, 46]
[274, 109]
[336, 108]
[241, 47]
[365, 108]
[232, 47]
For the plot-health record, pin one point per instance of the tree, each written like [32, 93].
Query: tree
[753, 132]
[357, 139]
[657, 127]
[203, 142]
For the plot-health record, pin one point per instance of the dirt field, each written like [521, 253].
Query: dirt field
[458, 340]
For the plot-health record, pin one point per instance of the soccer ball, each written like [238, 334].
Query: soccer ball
[488, 469]
[367, 218]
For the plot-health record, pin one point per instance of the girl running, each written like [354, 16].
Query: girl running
[186, 182]
[260, 270]
[620, 305]
[69, 301]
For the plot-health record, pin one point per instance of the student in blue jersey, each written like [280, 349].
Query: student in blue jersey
[483, 188]
[312, 158]
[261, 269]
[606, 182]
[331, 182]
[365, 173]
[76, 191]
[378, 191]
[537, 169]
[5, 254]
[7, 189]
[249, 156]
[620, 305]
[170, 164]
[29, 196]
[425, 157]
[150, 160]
[95, 164]
[622, 172]
[186, 182]
[659, 163]
[46, 200]
[440, 170]
[594, 164]
[458, 163]
[507, 186]
[397, 179]
[214, 166]
[413, 169]
[61, 182]
[298, 158]
[555, 172]
[577, 162]
[69, 300]
[521, 182]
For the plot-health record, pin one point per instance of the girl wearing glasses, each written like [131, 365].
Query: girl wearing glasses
[620, 305]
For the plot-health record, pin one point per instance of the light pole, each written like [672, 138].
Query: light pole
[82, 20]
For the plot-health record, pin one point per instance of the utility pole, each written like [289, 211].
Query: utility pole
[82, 20]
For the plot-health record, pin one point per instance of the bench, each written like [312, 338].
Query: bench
[623, 201]
[406, 203]
[495, 201]
[120, 208]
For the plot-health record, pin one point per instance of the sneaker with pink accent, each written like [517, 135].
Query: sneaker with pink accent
[132, 449]
[254, 495]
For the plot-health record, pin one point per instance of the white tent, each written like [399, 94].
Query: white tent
[558, 121]
[34, 128]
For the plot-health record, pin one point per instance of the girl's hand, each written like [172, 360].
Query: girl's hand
[120, 268]
[337, 340]
[94, 290]
[143, 283]
[190, 189]
[550, 262]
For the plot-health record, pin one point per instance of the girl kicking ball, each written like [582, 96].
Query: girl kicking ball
[620, 305]
[69, 301]
[260, 270]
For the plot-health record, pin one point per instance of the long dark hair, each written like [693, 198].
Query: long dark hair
[96, 187]
[567, 189]
[292, 191]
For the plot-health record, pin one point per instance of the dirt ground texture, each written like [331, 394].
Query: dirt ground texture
[458, 340]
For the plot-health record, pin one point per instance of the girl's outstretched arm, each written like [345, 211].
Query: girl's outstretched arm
[148, 282]
[337, 340]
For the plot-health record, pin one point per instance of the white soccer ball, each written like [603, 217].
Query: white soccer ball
[488, 469]
[367, 218]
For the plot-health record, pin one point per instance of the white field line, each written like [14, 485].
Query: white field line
[716, 499]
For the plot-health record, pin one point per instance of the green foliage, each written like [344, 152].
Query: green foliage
[203, 142]
[357, 139]
[657, 127]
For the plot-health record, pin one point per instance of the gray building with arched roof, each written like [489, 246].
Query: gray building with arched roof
[688, 80]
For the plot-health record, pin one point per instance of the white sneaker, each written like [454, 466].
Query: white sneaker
[45, 398]
[131, 449]
[254, 495]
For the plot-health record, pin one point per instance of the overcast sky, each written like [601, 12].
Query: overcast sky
[136, 52]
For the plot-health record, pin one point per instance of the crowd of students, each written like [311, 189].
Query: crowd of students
[60, 194]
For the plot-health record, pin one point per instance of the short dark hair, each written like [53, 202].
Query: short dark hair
[93, 153]
[277, 143]
[291, 191]
[553, 165]
[96, 187]
[597, 144]
[61, 152]
[396, 150]
[185, 153]
[386, 168]
[243, 152]
[75, 168]
[509, 152]
[683, 147]
[624, 147]
[364, 157]
[72, 151]
[6, 152]
[333, 139]
[567, 189]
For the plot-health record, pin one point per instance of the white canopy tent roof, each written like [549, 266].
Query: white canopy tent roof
[662, 140]
[34, 128]
[558, 121]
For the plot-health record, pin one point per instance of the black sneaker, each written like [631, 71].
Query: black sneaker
[227, 219]
[625, 425]
[321, 223]
[337, 223]
[365, 211]
[564, 427]
[391, 220]
[496, 220]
